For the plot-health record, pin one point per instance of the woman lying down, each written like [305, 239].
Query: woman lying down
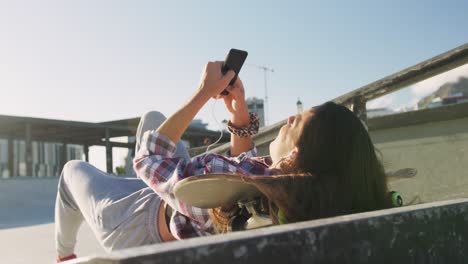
[327, 146]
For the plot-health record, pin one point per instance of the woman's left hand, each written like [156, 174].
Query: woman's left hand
[236, 105]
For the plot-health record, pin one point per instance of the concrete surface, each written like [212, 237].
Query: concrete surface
[26, 201]
[438, 150]
[26, 222]
[35, 244]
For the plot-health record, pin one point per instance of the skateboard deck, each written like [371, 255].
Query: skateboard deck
[214, 190]
[223, 189]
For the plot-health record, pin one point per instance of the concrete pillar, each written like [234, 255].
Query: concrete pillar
[109, 162]
[133, 151]
[86, 152]
[11, 157]
[63, 156]
[359, 108]
[29, 154]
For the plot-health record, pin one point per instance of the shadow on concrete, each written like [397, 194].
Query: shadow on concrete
[27, 201]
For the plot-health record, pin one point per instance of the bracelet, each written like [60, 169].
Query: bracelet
[242, 132]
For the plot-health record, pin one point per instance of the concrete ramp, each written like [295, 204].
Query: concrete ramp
[27, 201]
[26, 222]
[428, 233]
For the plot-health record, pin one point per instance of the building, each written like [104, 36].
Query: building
[300, 107]
[198, 123]
[456, 98]
[40, 147]
[46, 158]
[256, 105]
[449, 93]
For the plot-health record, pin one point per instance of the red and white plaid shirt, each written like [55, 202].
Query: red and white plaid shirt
[156, 165]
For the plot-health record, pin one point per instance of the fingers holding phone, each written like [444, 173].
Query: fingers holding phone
[221, 74]
[213, 81]
[235, 100]
[236, 91]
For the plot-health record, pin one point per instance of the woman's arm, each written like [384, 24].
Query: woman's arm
[212, 84]
[236, 105]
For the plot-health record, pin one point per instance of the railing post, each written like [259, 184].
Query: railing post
[29, 154]
[108, 153]
[86, 152]
[359, 109]
[11, 157]
[63, 155]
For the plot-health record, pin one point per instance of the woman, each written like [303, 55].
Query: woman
[327, 145]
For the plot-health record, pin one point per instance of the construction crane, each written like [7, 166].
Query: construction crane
[265, 70]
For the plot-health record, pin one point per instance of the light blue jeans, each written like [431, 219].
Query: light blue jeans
[122, 212]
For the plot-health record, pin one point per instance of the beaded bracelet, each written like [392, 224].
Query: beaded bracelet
[242, 132]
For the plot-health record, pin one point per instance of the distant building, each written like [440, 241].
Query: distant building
[256, 105]
[300, 108]
[46, 158]
[436, 102]
[449, 93]
[451, 99]
[40, 147]
[198, 123]
[455, 99]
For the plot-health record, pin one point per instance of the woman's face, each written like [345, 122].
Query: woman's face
[288, 135]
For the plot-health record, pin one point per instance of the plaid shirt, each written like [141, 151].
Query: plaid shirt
[156, 165]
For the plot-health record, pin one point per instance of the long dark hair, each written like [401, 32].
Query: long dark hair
[336, 170]
[336, 150]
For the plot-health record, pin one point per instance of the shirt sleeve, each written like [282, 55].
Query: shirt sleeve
[156, 165]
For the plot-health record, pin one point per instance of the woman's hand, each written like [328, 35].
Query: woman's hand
[211, 85]
[213, 82]
[236, 105]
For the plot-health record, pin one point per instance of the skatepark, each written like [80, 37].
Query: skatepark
[76, 77]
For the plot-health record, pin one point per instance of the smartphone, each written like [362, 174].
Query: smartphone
[234, 61]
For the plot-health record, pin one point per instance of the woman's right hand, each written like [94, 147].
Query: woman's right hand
[212, 81]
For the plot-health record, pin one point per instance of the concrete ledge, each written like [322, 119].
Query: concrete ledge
[427, 233]
[424, 116]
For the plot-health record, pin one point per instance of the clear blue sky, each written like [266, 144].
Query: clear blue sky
[105, 60]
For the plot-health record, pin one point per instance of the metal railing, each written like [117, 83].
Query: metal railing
[357, 99]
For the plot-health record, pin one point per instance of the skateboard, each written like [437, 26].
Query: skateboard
[219, 190]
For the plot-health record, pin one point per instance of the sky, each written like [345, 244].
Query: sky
[106, 60]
